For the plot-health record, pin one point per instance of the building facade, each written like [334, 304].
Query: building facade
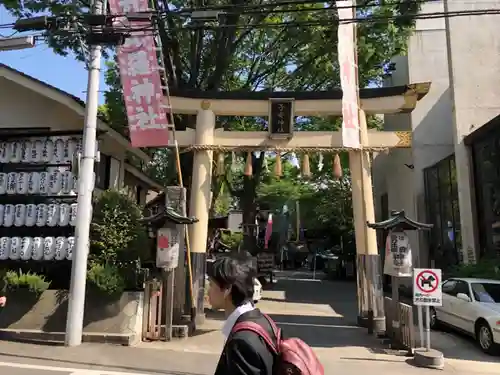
[449, 177]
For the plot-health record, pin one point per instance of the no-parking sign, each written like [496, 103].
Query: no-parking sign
[427, 287]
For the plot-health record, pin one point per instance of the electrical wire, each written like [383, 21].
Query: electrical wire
[310, 23]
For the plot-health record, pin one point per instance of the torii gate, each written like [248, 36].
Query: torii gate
[206, 138]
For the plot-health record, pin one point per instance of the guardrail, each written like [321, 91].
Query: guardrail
[401, 330]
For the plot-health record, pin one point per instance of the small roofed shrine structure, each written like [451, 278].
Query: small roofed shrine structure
[397, 263]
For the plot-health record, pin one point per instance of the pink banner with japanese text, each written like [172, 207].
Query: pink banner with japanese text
[147, 111]
[348, 74]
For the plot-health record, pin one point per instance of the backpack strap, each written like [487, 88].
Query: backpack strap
[259, 330]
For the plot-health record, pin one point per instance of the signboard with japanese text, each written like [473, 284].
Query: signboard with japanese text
[348, 67]
[398, 257]
[167, 251]
[265, 262]
[140, 78]
[281, 118]
[427, 287]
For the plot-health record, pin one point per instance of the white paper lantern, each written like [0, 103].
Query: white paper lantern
[69, 150]
[73, 214]
[4, 152]
[43, 183]
[41, 215]
[37, 151]
[15, 248]
[61, 248]
[66, 182]
[3, 183]
[8, 215]
[47, 151]
[59, 145]
[55, 181]
[4, 248]
[26, 151]
[11, 183]
[33, 182]
[37, 248]
[16, 152]
[49, 248]
[19, 215]
[64, 212]
[22, 183]
[26, 248]
[30, 215]
[52, 215]
[70, 248]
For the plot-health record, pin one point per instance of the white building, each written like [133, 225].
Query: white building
[451, 176]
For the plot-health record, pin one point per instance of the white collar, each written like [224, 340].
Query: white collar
[233, 317]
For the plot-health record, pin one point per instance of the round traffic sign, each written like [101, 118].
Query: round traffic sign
[427, 281]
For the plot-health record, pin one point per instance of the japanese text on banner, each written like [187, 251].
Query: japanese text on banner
[140, 77]
[348, 74]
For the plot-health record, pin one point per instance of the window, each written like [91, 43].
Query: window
[449, 286]
[462, 287]
[442, 210]
[486, 162]
[486, 292]
[102, 171]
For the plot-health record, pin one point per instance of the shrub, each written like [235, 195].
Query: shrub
[116, 231]
[483, 269]
[25, 281]
[106, 279]
[232, 240]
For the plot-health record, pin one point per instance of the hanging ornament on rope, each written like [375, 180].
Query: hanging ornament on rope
[234, 163]
[320, 163]
[277, 165]
[337, 166]
[220, 164]
[248, 166]
[306, 168]
[266, 166]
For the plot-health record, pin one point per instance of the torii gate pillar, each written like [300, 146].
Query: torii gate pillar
[199, 204]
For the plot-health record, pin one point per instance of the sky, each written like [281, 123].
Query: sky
[63, 72]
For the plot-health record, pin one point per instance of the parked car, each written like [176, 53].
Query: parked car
[473, 307]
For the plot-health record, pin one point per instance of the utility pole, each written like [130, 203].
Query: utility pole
[74, 323]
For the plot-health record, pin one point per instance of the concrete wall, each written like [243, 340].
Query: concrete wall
[431, 123]
[121, 317]
[473, 44]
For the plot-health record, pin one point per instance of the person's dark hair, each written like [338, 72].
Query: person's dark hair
[235, 273]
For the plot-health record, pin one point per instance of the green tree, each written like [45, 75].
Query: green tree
[255, 45]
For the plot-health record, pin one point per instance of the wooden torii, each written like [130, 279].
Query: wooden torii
[282, 108]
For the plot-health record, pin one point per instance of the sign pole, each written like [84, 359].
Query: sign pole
[421, 325]
[428, 328]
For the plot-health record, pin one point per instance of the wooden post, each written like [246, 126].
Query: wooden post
[169, 279]
[176, 198]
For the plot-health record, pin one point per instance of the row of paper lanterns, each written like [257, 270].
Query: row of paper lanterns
[39, 215]
[36, 248]
[39, 183]
[52, 150]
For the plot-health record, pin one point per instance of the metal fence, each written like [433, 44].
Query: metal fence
[400, 328]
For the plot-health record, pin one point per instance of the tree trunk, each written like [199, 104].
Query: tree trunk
[249, 204]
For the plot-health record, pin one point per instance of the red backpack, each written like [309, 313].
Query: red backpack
[295, 357]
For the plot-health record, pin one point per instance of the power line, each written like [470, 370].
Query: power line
[308, 23]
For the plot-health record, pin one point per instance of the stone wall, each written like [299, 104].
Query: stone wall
[118, 320]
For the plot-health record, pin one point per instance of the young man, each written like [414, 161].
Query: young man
[231, 288]
[3, 301]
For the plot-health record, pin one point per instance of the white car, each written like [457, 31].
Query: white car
[473, 307]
